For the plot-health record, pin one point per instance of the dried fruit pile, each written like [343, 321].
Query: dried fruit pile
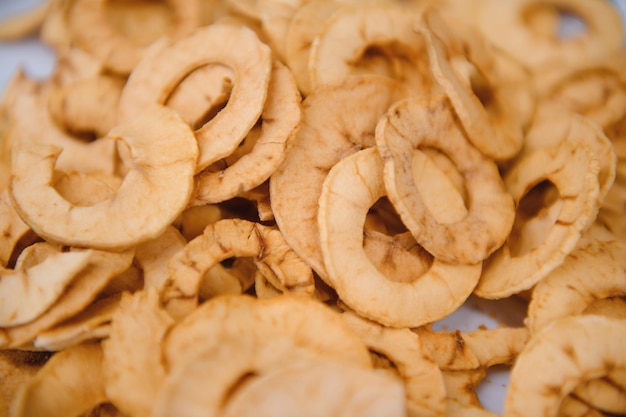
[260, 207]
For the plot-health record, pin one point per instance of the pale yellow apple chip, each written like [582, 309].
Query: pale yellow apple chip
[91, 324]
[87, 105]
[69, 384]
[575, 349]
[156, 76]
[375, 37]
[279, 122]
[308, 323]
[33, 123]
[569, 289]
[90, 28]
[350, 189]
[133, 369]
[422, 378]
[535, 248]
[26, 294]
[151, 196]
[102, 268]
[503, 24]
[494, 125]
[322, 387]
[467, 238]
[226, 239]
[23, 24]
[326, 135]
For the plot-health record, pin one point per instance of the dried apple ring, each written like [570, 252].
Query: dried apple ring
[26, 293]
[552, 125]
[32, 122]
[493, 124]
[326, 135]
[323, 387]
[575, 349]
[533, 250]
[503, 25]
[248, 325]
[133, 369]
[422, 378]
[151, 196]
[430, 122]
[69, 384]
[226, 239]
[87, 105]
[279, 122]
[103, 267]
[353, 185]
[568, 290]
[157, 75]
[375, 37]
[153, 256]
[92, 31]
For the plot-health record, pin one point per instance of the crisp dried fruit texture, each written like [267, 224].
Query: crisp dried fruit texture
[153, 193]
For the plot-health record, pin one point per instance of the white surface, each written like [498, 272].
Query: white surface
[37, 61]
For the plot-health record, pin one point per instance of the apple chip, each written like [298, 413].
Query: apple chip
[503, 25]
[87, 106]
[132, 367]
[466, 237]
[26, 294]
[375, 37]
[69, 384]
[535, 248]
[353, 185]
[568, 289]
[576, 349]
[102, 268]
[226, 239]
[322, 387]
[326, 135]
[423, 382]
[156, 76]
[92, 324]
[33, 123]
[91, 28]
[244, 319]
[151, 196]
[279, 122]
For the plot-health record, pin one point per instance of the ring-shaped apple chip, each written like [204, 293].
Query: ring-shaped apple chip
[322, 387]
[531, 252]
[153, 193]
[575, 349]
[375, 37]
[591, 272]
[503, 24]
[91, 30]
[226, 239]
[422, 378]
[279, 122]
[326, 135]
[157, 75]
[25, 294]
[493, 125]
[430, 123]
[264, 332]
[351, 188]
